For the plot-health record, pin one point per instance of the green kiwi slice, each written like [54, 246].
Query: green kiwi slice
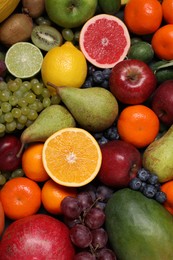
[46, 37]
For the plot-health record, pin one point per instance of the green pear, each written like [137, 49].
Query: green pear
[50, 120]
[158, 156]
[94, 109]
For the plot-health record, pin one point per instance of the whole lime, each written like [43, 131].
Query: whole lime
[141, 50]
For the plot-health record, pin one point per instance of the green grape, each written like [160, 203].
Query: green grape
[6, 174]
[55, 99]
[25, 110]
[43, 21]
[5, 95]
[2, 128]
[34, 81]
[18, 81]
[45, 93]
[27, 85]
[2, 120]
[32, 115]
[18, 93]
[11, 126]
[13, 100]
[8, 117]
[16, 112]
[30, 97]
[68, 34]
[17, 173]
[2, 179]
[22, 119]
[46, 102]
[29, 122]
[6, 107]
[3, 85]
[0, 111]
[37, 88]
[33, 106]
[19, 126]
[39, 106]
[13, 86]
[22, 102]
[23, 89]
[76, 36]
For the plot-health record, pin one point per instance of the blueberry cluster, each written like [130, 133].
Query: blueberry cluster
[109, 134]
[148, 183]
[97, 77]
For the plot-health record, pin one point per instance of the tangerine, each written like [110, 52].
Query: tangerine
[32, 164]
[20, 197]
[167, 8]
[2, 219]
[143, 17]
[162, 42]
[138, 125]
[167, 188]
[52, 195]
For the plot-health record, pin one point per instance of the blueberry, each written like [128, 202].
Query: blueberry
[102, 140]
[143, 174]
[98, 77]
[142, 186]
[153, 179]
[111, 133]
[105, 84]
[160, 196]
[97, 136]
[149, 191]
[88, 83]
[91, 69]
[157, 185]
[135, 183]
[106, 73]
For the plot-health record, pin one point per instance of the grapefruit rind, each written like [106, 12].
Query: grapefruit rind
[100, 40]
[49, 151]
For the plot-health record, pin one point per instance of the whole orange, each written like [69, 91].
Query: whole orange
[138, 125]
[162, 42]
[53, 193]
[2, 219]
[32, 164]
[143, 17]
[167, 188]
[20, 197]
[167, 8]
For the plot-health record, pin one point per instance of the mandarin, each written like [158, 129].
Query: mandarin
[167, 8]
[2, 219]
[143, 17]
[20, 197]
[138, 125]
[167, 188]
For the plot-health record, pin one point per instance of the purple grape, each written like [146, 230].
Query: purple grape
[2, 68]
[80, 236]
[104, 193]
[100, 205]
[85, 200]
[71, 207]
[71, 222]
[95, 218]
[84, 256]
[106, 254]
[100, 238]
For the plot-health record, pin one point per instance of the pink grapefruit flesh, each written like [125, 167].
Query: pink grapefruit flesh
[104, 40]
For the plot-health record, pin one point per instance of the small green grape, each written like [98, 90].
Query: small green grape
[37, 88]
[46, 102]
[2, 128]
[22, 102]
[17, 173]
[6, 107]
[13, 86]
[8, 117]
[68, 34]
[55, 99]
[19, 126]
[32, 114]
[2, 179]
[29, 122]
[3, 85]
[27, 85]
[22, 119]
[16, 112]
[25, 110]
[11, 126]
[13, 100]
[5, 95]
[45, 93]
[30, 97]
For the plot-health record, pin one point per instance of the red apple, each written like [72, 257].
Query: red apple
[132, 81]
[9, 148]
[36, 237]
[120, 163]
[162, 102]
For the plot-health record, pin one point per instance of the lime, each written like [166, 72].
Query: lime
[23, 60]
[141, 50]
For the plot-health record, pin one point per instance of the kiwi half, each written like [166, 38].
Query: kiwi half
[46, 37]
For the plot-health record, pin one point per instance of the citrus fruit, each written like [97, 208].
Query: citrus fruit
[167, 188]
[167, 8]
[20, 197]
[162, 42]
[104, 40]
[143, 17]
[52, 195]
[32, 164]
[23, 60]
[138, 125]
[141, 51]
[2, 219]
[72, 157]
[64, 65]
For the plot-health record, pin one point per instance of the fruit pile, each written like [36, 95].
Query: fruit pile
[86, 96]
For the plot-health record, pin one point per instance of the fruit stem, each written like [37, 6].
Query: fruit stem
[53, 86]
[20, 151]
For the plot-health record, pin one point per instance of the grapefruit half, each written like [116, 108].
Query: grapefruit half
[104, 40]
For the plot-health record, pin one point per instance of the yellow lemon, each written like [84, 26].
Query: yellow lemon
[64, 65]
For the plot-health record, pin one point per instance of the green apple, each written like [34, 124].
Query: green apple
[70, 13]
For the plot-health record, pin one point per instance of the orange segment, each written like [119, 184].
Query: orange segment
[72, 157]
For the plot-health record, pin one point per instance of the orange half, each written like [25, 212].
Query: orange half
[72, 157]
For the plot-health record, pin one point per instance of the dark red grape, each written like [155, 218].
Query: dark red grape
[80, 236]
[71, 222]
[103, 193]
[106, 254]
[84, 256]
[2, 68]
[100, 238]
[95, 218]
[85, 199]
[71, 207]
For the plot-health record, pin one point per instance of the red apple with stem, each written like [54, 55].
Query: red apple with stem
[120, 163]
[132, 81]
[162, 102]
[10, 146]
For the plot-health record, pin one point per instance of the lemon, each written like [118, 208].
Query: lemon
[64, 65]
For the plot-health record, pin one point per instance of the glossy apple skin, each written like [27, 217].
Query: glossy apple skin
[120, 163]
[132, 81]
[39, 237]
[9, 148]
[162, 102]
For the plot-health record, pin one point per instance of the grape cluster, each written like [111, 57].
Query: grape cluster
[7, 175]
[148, 183]
[85, 217]
[21, 102]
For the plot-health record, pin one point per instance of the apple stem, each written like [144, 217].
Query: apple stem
[20, 151]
